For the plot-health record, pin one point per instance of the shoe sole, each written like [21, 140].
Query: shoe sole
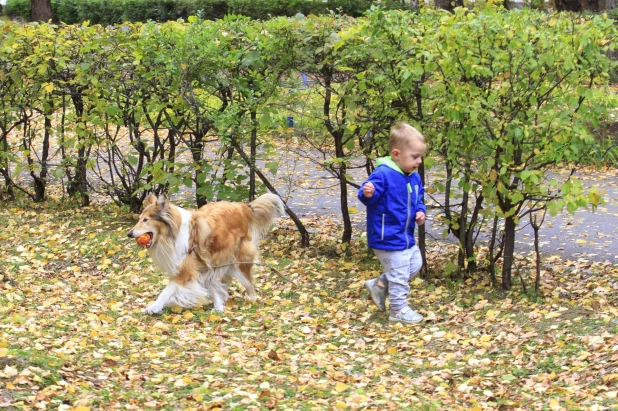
[399, 320]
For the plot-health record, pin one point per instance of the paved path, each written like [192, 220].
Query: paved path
[584, 235]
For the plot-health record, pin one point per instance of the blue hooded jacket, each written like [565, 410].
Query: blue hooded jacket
[391, 212]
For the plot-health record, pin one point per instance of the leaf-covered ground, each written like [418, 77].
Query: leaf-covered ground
[73, 335]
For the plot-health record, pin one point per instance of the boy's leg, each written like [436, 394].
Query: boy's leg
[416, 262]
[377, 291]
[396, 276]
[378, 287]
[407, 314]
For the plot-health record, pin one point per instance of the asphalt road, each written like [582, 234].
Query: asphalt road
[585, 235]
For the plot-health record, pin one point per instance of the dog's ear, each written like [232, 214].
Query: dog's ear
[162, 201]
[150, 200]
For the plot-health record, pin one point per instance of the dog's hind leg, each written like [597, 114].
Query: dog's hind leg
[247, 255]
[219, 299]
[215, 282]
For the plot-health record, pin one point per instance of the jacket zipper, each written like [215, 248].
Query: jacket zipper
[408, 219]
[383, 226]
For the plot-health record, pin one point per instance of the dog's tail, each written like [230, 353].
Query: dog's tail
[265, 209]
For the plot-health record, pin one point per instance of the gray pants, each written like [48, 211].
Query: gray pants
[399, 268]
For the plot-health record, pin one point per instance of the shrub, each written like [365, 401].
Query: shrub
[114, 11]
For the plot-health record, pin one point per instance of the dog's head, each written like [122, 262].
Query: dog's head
[155, 220]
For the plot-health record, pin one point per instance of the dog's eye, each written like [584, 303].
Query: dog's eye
[145, 219]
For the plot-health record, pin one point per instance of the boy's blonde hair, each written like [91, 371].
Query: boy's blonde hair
[401, 134]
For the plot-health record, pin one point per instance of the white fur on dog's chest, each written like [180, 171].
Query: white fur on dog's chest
[168, 255]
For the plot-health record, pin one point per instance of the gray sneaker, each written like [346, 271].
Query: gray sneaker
[378, 294]
[406, 315]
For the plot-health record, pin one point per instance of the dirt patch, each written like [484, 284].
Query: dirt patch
[12, 362]
[576, 312]
[612, 129]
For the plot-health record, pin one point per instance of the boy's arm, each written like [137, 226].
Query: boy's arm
[421, 210]
[378, 188]
[420, 204]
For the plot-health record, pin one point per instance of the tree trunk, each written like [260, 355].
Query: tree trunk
[196, 152]
[449, 5]
[41, 10]
[252, 188]
[4, 169]
[78, 186]
[568, 5]
[509, 251]
[338, 134]
[343, 188]
[40, 183]
[492, 253]
[422, 232]
[304, 234]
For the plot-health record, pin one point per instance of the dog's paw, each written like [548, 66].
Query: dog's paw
[219, 308]
[153, 309]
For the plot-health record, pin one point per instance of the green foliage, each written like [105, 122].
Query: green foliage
[116, 11]
[193, 106]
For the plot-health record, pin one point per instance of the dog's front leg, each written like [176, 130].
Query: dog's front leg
[163, 299]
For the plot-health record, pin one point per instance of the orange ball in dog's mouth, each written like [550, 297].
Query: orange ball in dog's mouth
[144, 240]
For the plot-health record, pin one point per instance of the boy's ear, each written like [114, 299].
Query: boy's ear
[395, 152]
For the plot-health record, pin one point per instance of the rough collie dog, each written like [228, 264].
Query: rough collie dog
[198, 249]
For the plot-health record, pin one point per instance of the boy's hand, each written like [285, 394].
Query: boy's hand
[368, 190]
[420, 218]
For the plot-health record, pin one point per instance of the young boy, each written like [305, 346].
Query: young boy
[393, 195]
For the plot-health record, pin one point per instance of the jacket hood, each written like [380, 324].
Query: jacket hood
[388, 161]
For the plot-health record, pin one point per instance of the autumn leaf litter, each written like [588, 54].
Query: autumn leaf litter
[73, 335]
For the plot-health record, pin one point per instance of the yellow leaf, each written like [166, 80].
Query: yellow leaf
[554, 404]
[341, 387]
[142, 253]
[391, 350]
[3, 352]
[81, 409]
[49, 87]
[340, 405]
[188, 315]
[352, 210]
[332, 347]
[493, 175]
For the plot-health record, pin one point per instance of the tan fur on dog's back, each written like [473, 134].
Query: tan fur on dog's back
[218, 230]
[224, 232]
[264, 211]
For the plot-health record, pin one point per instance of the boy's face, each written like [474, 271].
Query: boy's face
[410, 156]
